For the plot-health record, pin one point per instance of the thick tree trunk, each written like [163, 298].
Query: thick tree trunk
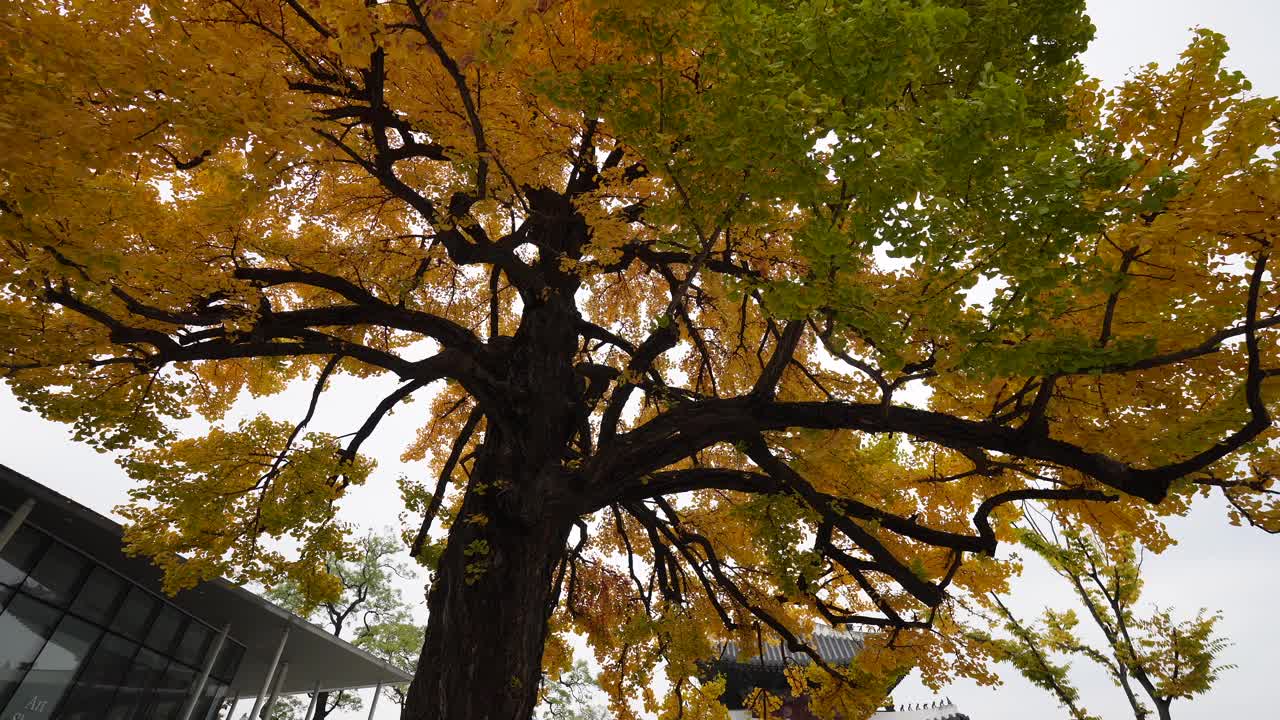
[489, 603]
[494, 589]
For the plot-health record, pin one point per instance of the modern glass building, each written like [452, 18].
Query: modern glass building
[86, 634]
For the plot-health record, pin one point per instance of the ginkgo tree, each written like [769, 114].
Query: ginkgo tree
[694, 292]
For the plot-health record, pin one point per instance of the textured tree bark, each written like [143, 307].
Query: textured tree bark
[489, 606]
[494, 587]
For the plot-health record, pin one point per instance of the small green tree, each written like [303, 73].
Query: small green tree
[370, 613]
[1154, 658]
[571, 696]
[1029, 650]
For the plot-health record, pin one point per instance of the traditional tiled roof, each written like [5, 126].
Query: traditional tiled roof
[835, 647]
[937, 710]
[750, 667]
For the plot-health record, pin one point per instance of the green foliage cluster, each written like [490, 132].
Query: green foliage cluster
[1154, 658]
[369, 613]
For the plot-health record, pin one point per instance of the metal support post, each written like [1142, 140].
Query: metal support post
[275, 690]
[215, 706]
[373, 705]
[271, 675]
[231, 711]
[18, 517]
[198, 689]
[315, 698]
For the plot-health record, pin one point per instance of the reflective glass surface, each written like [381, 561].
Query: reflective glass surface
[19, 554]
[165, 629]
[78, 642]
[57, 576]
[214, 692]
[144, 675]
[170, 692]
[228, 662]
[24, 627]
[195, 642]
[50, 676]
[134, 615]
[97, 683]
[99, 595]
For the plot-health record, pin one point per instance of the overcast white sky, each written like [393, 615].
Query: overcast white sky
[1216, 566]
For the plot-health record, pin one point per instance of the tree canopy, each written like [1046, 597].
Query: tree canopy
[733, 317]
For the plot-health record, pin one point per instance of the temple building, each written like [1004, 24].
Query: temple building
[745, 673]
[87, 634]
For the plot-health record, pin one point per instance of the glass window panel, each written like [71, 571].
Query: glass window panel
[20, 554]
[170, 693]
[194, 644]
[96, 686]
[135, 614]
[165, 629]
[119, 710]
[98, 596]
[214, 692]
[51, 674]
[228, 661]
[147, 669]
[24, 627]
[56, 577]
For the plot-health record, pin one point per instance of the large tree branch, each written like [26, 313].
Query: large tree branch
[661, 340]
[595, 332]
[120, 331]
[666, 334]
[767, 383]
[671, 482]
[292, 345]
[309, 19]
[644, 252]
[378, 311]
[375, 418]
[1259, 418]
[842, 513]
[699, 552]
[366, 310]
[268, 339]
[689, 428]
[1208, 346]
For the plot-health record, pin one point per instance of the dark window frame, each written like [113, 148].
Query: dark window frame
[169, 654]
